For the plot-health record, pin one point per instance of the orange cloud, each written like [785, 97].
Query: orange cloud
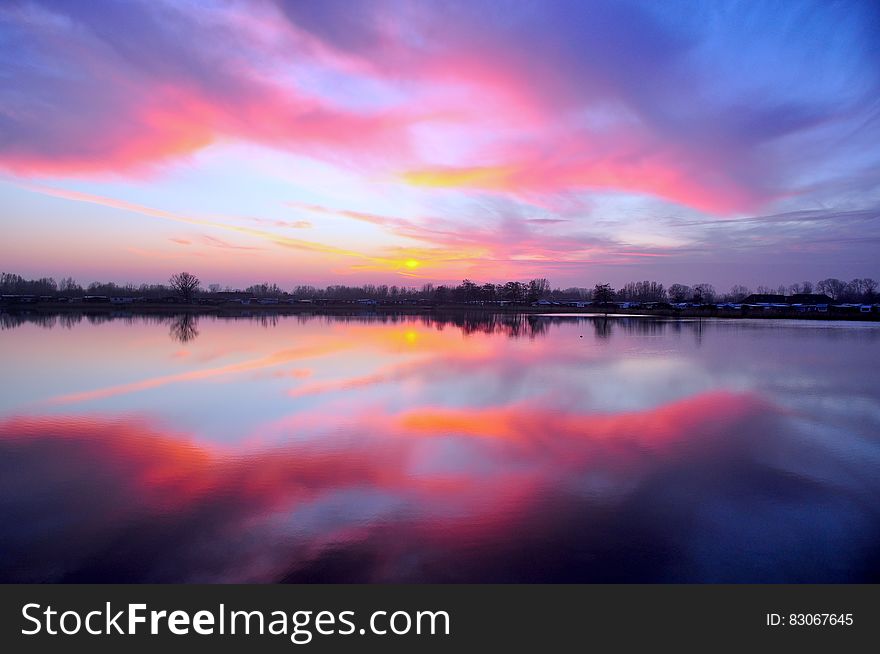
[531, 424]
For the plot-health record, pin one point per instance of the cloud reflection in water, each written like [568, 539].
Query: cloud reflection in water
[686, 491]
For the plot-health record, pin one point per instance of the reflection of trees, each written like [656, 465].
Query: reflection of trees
[13, 320]
[602, 327]
[69, 320]
[698, 332]
[508, 324]
[639, 326]
[184, 328]
[512, 325]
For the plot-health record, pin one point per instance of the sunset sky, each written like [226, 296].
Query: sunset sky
[404, 142]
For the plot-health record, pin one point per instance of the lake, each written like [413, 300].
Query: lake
[461, 448]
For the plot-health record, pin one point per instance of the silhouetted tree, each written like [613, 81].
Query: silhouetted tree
[803, 287]
[832, 287]
[184, 284]
[679, 293]
[69, 285]
[603, 294]
[467, 291]
[442, 293]
[860, 290]
[513, 292]
[12, 283]
[537, 289]
[265, 290]
[704, 293]
[738, 293]
[870, 287]
[645, 291]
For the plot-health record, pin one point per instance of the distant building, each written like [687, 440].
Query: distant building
[19, 299]
[796, 299]
[765, 298]
[810, 298]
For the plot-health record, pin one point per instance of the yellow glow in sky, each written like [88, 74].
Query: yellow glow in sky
[488, 176]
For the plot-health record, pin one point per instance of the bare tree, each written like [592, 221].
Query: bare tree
[679, 292]
[870, 286]
[645, 291]
[832, 286]
[184, 284]
[738, 293]
[69, 285]
[704, 293]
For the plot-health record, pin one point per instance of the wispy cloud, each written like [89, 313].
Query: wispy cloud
[272, 237]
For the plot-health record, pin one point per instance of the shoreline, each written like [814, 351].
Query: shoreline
[56, 308]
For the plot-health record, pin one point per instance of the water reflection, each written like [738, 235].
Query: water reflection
[432, 448]
[602, 327]
[184, 328]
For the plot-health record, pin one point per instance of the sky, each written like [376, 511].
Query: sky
[406, 142]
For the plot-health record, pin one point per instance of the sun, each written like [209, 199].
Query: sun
[412, 264]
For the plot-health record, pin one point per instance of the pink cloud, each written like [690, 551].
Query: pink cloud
[544, 100]
[176, 122]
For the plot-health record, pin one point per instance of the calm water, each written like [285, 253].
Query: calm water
[428, 449]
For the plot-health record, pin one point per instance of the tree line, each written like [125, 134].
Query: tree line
[187, 286]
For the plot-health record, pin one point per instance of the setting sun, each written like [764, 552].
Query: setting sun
[412, 264]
